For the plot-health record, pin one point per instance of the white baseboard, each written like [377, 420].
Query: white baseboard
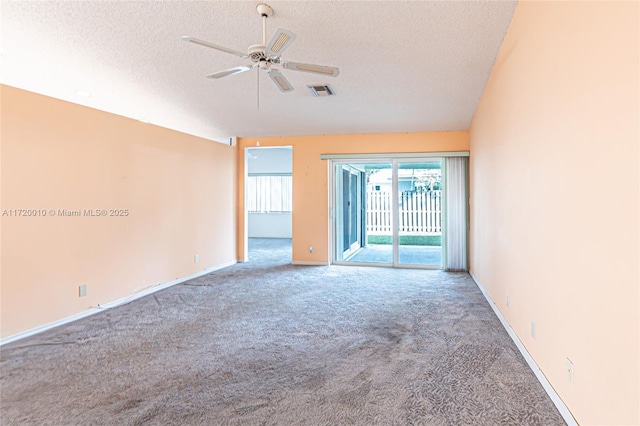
[112, 304]
[555, 398]
[309, 263]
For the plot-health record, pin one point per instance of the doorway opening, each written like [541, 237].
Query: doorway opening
[269, 201]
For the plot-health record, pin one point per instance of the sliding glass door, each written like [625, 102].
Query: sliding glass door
[351, 207]
[388, 213]
[357, 214]
[419, 222]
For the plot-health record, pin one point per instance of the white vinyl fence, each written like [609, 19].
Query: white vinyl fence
[420, 213]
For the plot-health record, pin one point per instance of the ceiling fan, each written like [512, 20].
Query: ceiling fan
[264, 56]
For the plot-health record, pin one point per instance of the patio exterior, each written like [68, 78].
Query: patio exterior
[419, 228]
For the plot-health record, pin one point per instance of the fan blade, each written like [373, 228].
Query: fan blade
[214, 46]
[282, 83]
[279, 42]
[316, 69]
[230, 71]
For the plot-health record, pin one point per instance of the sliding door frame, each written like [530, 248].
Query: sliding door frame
[393, 159]
[396, 202]
[355, 227]
[336, 209]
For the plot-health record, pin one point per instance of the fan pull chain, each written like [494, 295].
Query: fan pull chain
[258, 87]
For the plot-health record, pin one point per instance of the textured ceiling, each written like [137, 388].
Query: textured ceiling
[404, 66]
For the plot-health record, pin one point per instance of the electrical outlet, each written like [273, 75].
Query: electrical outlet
[82, 291]
[569, 370]
[533, 329]
[508, 300]
[196, 258]
[310, 249]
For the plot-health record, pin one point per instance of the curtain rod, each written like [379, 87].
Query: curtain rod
[392, 155]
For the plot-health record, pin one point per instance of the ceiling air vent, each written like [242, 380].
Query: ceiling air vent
[322, 90]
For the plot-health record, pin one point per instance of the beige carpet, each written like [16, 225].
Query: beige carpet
[267, 343]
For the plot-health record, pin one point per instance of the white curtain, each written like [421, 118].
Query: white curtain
[456, 196]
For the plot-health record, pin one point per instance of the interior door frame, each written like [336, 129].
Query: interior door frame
[245, 213]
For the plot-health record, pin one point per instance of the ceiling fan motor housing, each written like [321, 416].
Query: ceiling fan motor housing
[257, 53]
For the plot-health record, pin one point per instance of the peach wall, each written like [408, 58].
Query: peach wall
[310, 225]
[555, 198]
[179, 191]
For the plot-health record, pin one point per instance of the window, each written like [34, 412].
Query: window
[269, 193]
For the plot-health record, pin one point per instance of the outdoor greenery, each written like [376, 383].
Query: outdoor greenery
[407, 240]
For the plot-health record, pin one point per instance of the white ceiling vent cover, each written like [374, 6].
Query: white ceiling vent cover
[322, 90]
